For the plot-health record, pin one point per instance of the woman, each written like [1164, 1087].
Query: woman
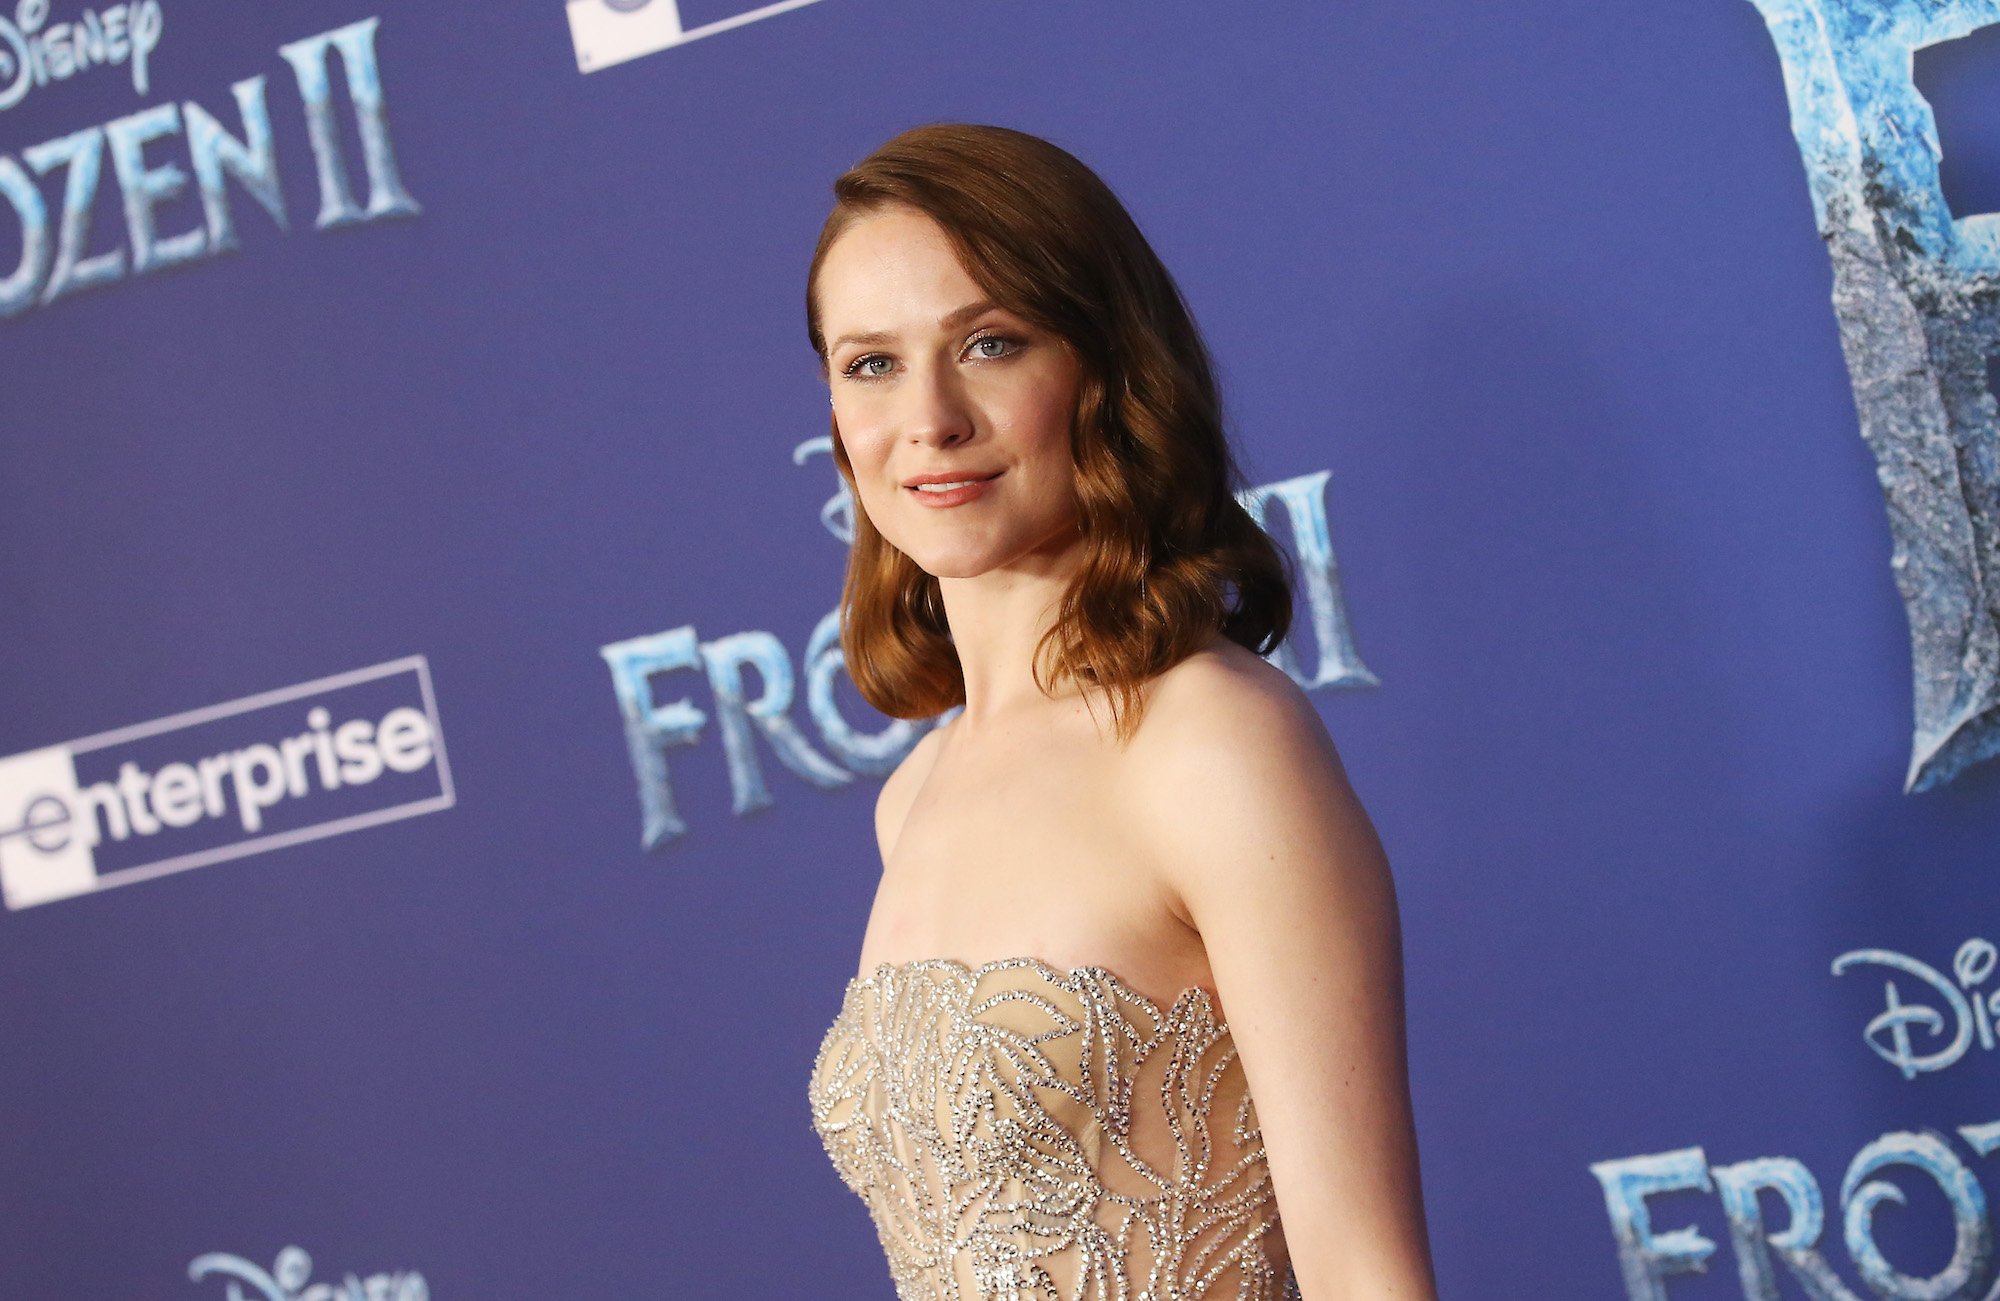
[1128, 802]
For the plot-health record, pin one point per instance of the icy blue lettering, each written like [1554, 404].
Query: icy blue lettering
[386, 195]
[650, 729]
[1649, 1259]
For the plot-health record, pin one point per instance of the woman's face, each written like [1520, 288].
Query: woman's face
[933, 382]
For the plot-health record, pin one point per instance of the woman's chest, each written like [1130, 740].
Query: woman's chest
[1015, 823]
[1025, 855]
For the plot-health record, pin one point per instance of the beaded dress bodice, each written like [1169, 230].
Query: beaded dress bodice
[1022, 1133]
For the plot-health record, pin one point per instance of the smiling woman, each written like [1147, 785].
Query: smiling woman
[1005, 249]
[1130, 799]
[906, 401]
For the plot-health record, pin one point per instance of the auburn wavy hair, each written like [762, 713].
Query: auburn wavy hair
[1170, 556]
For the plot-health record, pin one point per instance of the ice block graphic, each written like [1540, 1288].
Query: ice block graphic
[1917, 293]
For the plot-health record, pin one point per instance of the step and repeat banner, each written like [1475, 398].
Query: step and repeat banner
[435, 818]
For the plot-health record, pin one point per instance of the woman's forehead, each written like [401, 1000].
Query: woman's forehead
[894, 272]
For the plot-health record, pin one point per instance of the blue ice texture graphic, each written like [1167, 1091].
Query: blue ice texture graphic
[1917, 293]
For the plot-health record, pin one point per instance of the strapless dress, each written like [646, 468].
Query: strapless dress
[1023, 1133]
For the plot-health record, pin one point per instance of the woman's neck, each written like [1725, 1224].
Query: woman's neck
[997, 619]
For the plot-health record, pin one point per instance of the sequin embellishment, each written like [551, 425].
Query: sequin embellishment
[1022, 1133]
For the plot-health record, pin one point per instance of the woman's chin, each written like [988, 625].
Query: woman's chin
[972, 562]
[941, 568]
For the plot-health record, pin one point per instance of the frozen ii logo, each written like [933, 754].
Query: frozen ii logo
[653, 727]
[1792, 1247]
[35, 51]
[1930, 1020]
[290, 1279]
[50, 192]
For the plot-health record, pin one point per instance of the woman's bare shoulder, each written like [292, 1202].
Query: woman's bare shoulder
[1224, 696]
[1228, 737]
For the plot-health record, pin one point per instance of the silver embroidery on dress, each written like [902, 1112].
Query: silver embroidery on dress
[1021, 1133]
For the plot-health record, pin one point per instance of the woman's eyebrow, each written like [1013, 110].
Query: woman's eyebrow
[868, 339]
[967, 312]
[950, 320]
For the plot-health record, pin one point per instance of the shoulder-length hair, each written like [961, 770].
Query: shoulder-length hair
[1170, 555]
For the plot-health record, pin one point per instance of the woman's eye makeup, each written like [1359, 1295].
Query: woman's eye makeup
[979, 351]
[854, 370]
[1013, 346]
[860, 367]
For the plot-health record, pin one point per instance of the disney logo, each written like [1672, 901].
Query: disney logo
[1963, 1011]
[34, 51]
[289, 1280]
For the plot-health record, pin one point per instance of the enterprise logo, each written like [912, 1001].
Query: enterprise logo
[611, 31]
[287, 766]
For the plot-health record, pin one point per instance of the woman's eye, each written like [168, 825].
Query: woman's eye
[860, 366]
[1006, 347]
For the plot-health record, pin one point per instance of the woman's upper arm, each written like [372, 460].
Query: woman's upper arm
[1248, 810]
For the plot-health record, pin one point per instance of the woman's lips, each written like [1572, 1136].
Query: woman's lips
[954, 496]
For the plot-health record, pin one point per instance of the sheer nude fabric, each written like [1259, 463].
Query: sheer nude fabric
[1022, 1133]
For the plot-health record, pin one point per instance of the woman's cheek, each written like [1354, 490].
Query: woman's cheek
[863, 447]
[868, 455]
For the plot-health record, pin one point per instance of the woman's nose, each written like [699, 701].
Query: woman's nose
[936, 410]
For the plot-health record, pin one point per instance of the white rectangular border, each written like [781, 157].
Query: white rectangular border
[263, 699]
[445, 799]
[605, 38]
